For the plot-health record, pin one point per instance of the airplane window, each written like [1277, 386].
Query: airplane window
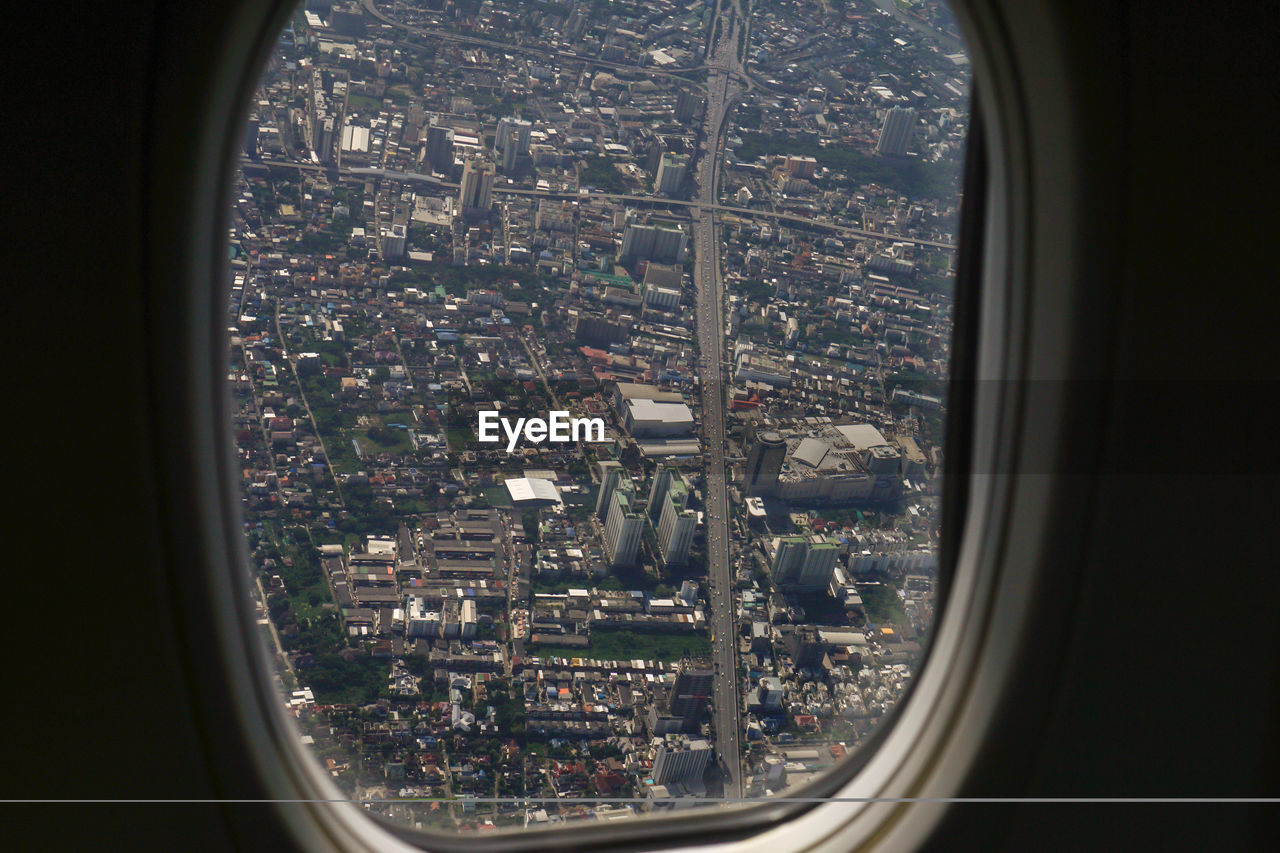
[590, 368]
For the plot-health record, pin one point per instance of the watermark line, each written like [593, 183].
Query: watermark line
[684, 801]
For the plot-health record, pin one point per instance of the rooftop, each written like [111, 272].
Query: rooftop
[527, 490]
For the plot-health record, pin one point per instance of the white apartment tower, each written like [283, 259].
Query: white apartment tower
[476, 192]
[680, 762]
[624, 527]
[658, 490]
[610, 471]
[895, 133]
[512, 141]
[671, 171]
[392, 241]
[804, 562]
[676, 526]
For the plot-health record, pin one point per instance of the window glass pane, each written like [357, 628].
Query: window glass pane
[589, 364]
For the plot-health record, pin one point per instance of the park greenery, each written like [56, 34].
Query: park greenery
[912, 177]
[600, 173]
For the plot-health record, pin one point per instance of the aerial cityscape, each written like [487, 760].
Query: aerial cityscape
[588, 362]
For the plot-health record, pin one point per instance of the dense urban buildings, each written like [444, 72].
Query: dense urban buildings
[721, 235]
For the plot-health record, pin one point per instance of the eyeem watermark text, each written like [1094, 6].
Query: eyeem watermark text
[557, 427]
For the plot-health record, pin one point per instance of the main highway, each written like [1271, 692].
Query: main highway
[709, 319]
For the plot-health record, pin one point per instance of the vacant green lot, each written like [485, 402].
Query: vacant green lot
[382, 439]
[363, 102]
[498, 496]
[629, 645]
[458, 437]
[882, 604]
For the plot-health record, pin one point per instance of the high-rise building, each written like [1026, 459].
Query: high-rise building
[512, 141]
[676, 525]
[468, 621]
[654, 242]
[653, 156]
[610, 471]
[624, 527]
[504, 131]
[895, 133]
[688, 106]
[671, 171]
[661, 298]
[750, 366]
[766, 696]
[683, 707]
[692, 691]
[658, 490]
[511, 126]
[476, 193]
[595, 330]
[663, 275]
[451, 619]
[806, 647]
[804, 563]
[322, 138]
[661, 287]
[764, 463]
[801, 167]
[419, 621]
[392, 241]
[680, 760]
[251, 137]
[554, 215]
[440, 147]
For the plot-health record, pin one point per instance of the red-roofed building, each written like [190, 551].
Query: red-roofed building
[607, 782]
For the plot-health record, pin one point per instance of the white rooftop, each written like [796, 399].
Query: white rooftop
[669, 413]
[862, 436]
[811, 451]
[524, 489]
[380, 546]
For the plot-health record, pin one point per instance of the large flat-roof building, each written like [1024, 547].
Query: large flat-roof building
[655, 242]
[752, 367]
[648, 418]
[532, 492]
[625, 391]
[846, 463]
[647, 411]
